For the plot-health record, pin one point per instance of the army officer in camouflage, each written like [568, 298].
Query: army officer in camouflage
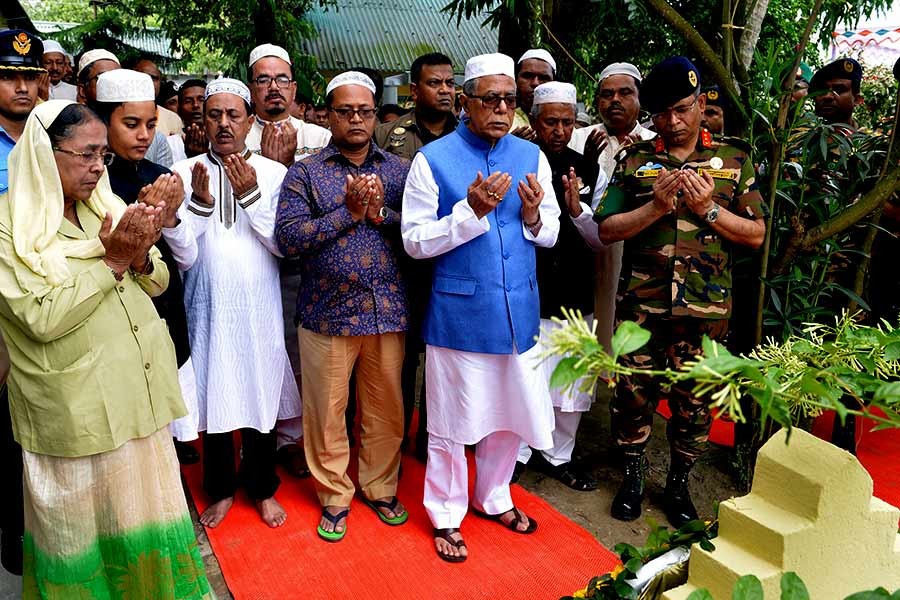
[680, 202]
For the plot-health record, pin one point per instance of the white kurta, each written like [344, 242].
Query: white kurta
[470, 394]
[63, 91]
[310, 138]
[233, 301]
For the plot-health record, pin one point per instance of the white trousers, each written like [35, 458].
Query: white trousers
[563, 439]
[447, 477]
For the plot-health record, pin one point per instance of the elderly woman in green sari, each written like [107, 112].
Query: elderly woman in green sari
[93, 384]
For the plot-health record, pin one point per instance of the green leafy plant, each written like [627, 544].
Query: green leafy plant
[799, 377]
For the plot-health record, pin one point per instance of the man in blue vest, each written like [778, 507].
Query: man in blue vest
[478, 201]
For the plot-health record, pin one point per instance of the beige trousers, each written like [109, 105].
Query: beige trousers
[327, 363]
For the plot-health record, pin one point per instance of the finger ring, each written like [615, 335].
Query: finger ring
[377, 198]
[365, 203]
[493, 195]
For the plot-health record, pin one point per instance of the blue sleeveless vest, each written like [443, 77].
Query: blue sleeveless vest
[484, 294]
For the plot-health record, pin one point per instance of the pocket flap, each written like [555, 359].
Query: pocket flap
[462, 286]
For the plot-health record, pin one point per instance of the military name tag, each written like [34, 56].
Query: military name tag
[732, 174]
[646, 173]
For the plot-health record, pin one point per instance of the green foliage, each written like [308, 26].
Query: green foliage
[879, 91]
[791, 380]
[65, 11]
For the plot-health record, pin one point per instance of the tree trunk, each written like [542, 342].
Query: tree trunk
[753, 19]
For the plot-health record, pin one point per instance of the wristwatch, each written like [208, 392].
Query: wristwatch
[712, 214]
[382, 215]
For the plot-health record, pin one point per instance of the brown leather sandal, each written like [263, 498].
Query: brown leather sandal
[512, 525]
[445, 534]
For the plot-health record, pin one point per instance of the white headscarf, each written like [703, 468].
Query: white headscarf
[36, 202]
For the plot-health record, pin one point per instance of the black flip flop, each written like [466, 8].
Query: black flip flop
[512, 525]
[445, 534]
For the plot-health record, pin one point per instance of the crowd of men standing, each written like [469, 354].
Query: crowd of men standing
[311, 269]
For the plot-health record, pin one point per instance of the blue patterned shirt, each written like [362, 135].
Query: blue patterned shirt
[6, 146]
[350, 282]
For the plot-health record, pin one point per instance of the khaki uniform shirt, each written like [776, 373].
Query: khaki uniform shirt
[404, 136]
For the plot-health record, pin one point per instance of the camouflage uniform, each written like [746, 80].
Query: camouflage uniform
[676, 281]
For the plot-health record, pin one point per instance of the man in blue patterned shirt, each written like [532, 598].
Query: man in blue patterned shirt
[339, 211]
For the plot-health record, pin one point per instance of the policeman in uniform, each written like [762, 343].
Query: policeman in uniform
[680, 202]
[20, 72]
[433, 90]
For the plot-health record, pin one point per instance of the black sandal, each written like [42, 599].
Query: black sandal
[445, 534]
[512, 525]
[573, 478]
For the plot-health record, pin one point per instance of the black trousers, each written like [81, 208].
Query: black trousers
[414, 346]
[13, 516]
[257, 471]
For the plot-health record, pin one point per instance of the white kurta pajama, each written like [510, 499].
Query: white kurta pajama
[232, 295]
[492, 400]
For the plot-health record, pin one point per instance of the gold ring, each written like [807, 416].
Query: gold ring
[494, 195]
[365, 203]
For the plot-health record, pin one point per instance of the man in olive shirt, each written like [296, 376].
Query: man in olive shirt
[434, 91]
[681, 202]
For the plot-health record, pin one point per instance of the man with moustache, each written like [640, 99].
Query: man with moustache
[681, 203]
[54, 61]
[20, 75]
[565, 271]
[231, 292]
[338, 214]
[191, 141]
[534, 67]
[460, 209]
[618, 103]
[275, 133]
[433, 89]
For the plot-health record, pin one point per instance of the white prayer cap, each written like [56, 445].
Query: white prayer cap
[227, 85]
[540, 54]
[70, 58]
[264, 50]
[621, 68]
[125, 85]
[489, 64]
[350, 78]
[92, 56]
[555, 92]
[51, 46]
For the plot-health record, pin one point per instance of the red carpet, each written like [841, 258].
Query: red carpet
[379, 562]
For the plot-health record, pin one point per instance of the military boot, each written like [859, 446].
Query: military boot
[678, 506]
[626, 506]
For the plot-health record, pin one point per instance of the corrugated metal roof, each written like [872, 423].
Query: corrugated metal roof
[150, 40]
[388, 35]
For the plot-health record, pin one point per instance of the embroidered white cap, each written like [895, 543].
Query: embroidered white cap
[264, 50]
[51, 46]
[540, 54]
[350, 78]
[555, 92]
[92, 56]
[620, 68]
[227, 85]
[125, 85]
[489, 64]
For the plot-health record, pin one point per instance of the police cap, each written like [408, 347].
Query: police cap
[668, 82]
[20, 50]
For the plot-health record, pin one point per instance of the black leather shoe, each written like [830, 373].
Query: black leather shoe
[517, 472]
[678, 506]
[626, 506]
[11, 553]
[187, 454]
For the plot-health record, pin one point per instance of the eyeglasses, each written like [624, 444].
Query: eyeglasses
[348, 113]
[680, 112]
[265, 81]
[493, 100]
[89, 158]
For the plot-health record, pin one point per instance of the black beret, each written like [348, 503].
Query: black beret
[668, 82]
[20, 50]
[843, 68]
[714, 96]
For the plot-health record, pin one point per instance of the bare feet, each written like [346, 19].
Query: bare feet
[271, 511]
[330, 527]
[450, 545]
[215, 513]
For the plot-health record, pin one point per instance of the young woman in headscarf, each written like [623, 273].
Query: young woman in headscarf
[125, 103]
[93, 385]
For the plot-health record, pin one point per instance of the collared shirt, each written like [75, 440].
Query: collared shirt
[6, 146]
[404, 136]
[92, 363]
[680, 265]
[350, 279]
[310, 138]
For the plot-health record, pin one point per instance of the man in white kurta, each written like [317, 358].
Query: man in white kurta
[460, 209]
[54, 60]
[244, 381]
